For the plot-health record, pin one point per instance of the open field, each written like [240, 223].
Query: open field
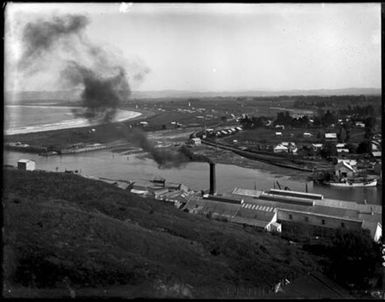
[267, 136]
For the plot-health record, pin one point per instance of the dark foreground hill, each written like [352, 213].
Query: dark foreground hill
[67, 235]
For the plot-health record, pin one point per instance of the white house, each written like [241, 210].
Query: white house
[317, 146]
[331, 136]
[280, 148]
[143, 123]
[351, 162]
[307, 134]
[195, 141]
[278, 133]
[360, 124]
[343, 169]
[375, 146]
[341, 147]
[377, 154]
[26, 164]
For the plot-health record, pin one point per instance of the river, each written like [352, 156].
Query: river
[195, 175]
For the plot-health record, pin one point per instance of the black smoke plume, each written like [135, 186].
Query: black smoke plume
[99, 73]
[104, 82]
[42, 36]
[101, 97]
[164, 158]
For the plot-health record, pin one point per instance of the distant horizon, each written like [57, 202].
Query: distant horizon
[209, 91]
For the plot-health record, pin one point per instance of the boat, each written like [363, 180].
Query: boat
[49, 153]
[354, 184]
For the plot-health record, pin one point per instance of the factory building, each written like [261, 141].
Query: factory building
[298, 213]
[316, 214]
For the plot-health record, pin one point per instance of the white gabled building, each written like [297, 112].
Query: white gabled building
[26, 164]
[195, 141]
[280, 148]
[331, 136]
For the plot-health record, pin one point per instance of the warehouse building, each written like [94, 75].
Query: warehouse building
[318, 215]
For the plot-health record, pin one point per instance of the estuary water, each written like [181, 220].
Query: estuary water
[195, 175]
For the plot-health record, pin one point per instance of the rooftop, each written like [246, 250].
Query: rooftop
[24, 161]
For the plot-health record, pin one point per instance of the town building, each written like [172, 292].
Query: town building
[315, 215]
[341, 148]
[317, 147]
[26, 164]
[304, 214]
[195, 141]
[377, 154]
[331, 136]
[375, 145]
[280, 148]
[351, 162]
[360, 124]
[343, 170]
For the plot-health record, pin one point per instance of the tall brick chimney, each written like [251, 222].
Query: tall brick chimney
[212, 179]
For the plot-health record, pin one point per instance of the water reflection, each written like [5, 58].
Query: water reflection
[195, 175]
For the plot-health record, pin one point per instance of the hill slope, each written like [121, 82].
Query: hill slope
[65, 232]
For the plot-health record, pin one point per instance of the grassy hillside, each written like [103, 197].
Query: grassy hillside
[66, 234]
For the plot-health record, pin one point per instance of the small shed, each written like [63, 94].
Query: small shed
[26, 164]
[307, 134]
[278, 133]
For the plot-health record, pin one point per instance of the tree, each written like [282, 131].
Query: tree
[328, 150]
[342, 135]
[370, 124]
[364, 147]
[329, 118]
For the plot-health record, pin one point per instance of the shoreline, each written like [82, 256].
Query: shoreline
[122, 115]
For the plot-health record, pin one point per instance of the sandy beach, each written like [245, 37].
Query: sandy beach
[122, 115]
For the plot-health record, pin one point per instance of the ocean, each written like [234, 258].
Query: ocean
[30, 118]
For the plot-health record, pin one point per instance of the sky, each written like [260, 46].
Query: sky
[222, 47]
